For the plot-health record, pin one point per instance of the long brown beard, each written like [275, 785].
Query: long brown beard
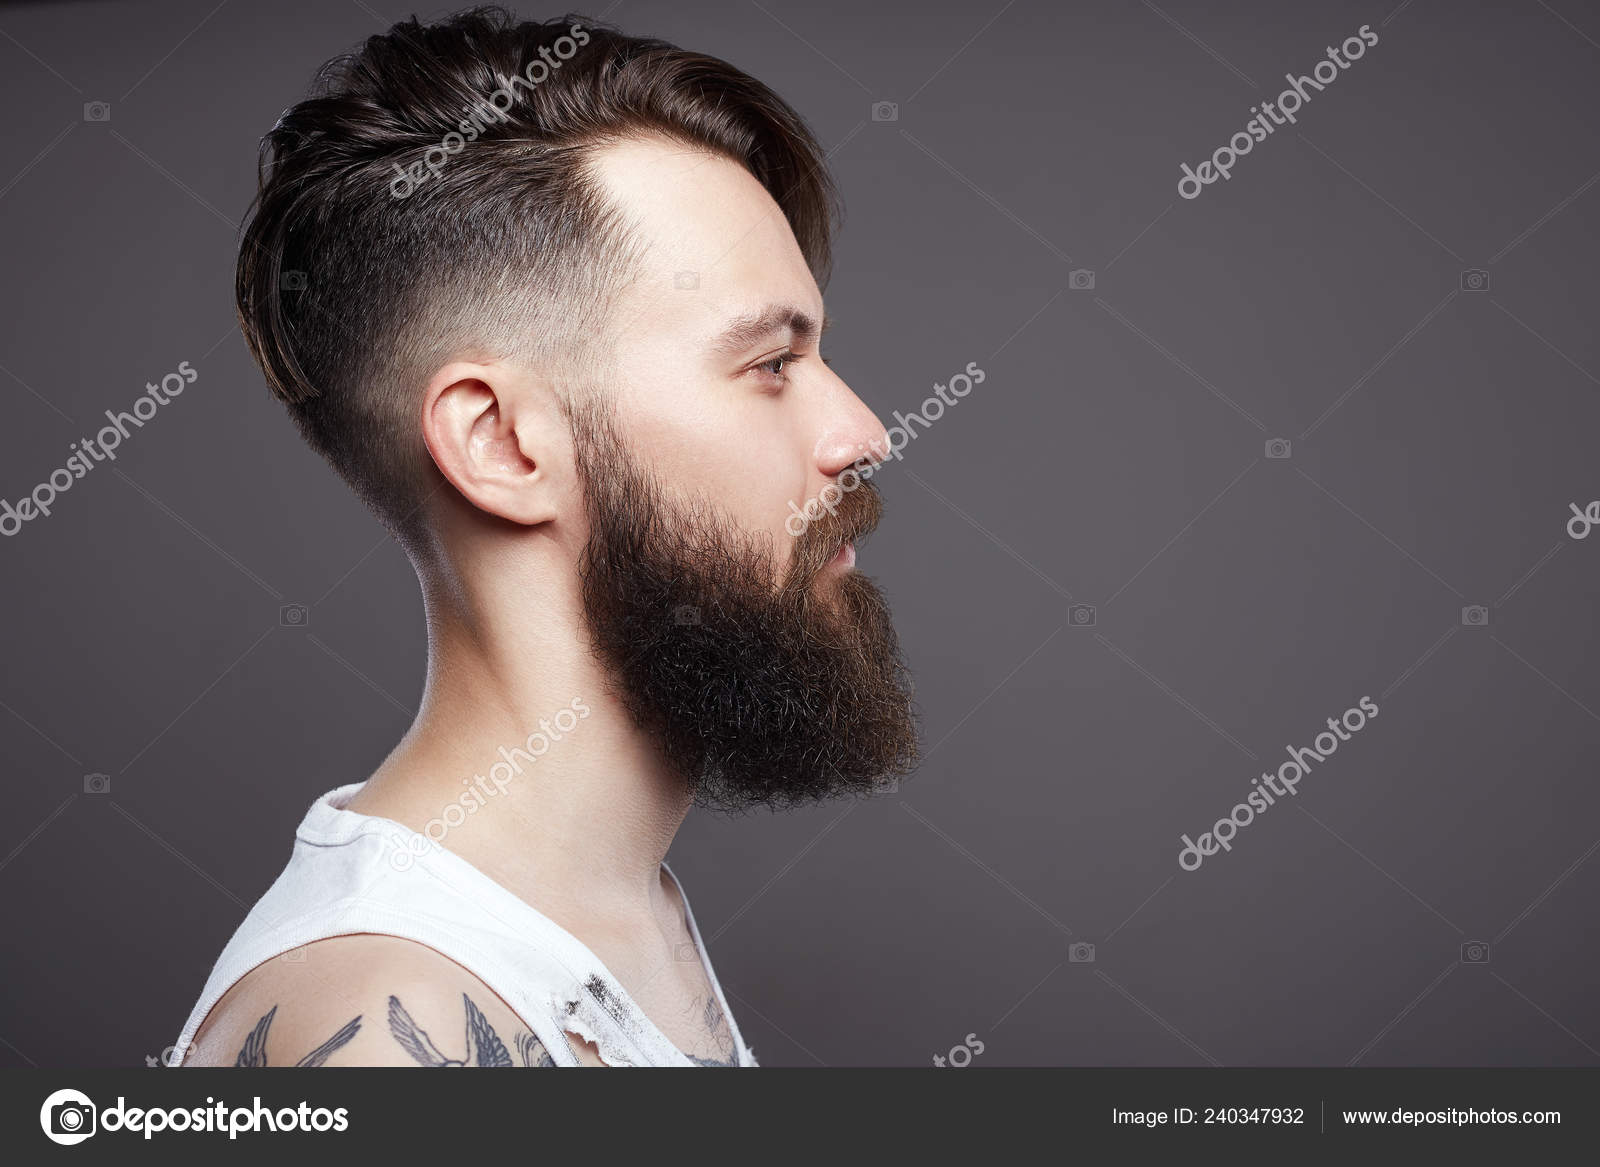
[759, 694]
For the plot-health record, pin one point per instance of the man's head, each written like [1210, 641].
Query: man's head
[548, 286]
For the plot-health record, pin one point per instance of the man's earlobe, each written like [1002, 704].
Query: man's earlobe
[485, 436]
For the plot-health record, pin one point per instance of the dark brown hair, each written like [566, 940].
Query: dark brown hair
[432, 199]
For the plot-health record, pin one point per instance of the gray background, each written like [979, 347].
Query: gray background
[1114, 457]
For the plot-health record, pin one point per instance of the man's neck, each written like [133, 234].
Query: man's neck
[561, 798]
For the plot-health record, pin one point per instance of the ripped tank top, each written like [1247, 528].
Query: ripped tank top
[354, 873]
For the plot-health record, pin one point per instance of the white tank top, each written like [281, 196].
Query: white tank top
[344, 878]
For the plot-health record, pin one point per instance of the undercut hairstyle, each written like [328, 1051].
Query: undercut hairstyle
[433, 199]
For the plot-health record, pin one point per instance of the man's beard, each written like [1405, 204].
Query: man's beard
[759, 693]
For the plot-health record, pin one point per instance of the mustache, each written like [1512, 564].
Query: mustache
[855, 516]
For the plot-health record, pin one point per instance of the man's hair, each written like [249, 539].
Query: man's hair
[433, 198]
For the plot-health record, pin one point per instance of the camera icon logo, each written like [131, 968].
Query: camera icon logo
[1474, 279]
[1475, 616]
[294, 616]
[1081, 615]
[97, 111]
[685, 953]
[1279, 448]
[294, 281]
[97, 783]
[68, 1117]
[885, 784]
[686, 281]
[1080, 280]
[1474, 952]
[1080, 953]
[885, 111]
[686, 614]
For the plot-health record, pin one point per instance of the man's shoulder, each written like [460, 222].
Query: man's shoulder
[363, 1000]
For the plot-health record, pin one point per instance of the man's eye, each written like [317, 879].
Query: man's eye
[777, 364]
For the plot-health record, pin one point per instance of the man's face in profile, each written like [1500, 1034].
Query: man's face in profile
[767, 666]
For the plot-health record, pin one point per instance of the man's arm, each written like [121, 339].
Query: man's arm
[365, 1001]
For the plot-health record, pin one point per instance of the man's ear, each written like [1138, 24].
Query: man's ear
[489, 428]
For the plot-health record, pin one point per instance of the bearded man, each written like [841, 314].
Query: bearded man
[548, 298]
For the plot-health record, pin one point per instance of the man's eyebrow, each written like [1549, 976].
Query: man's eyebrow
[743, 332]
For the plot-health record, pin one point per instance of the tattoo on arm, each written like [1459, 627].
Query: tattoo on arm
[532, 1052]
[321, 1054]
[484, 1047]
[413, 1039]
[253, 1054]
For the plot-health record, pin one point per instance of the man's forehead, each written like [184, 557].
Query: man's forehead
[696, 212]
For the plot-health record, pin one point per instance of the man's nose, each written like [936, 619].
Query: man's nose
[852, 432]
